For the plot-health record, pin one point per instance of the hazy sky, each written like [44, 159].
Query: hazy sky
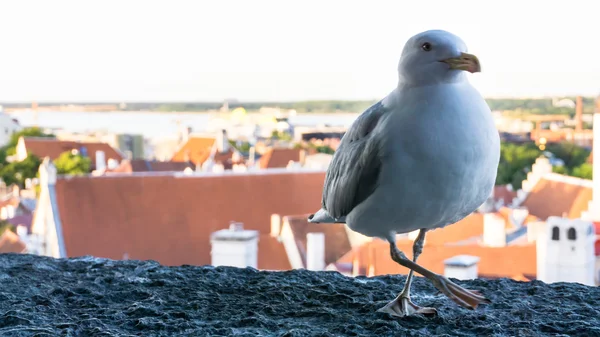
[283, 50]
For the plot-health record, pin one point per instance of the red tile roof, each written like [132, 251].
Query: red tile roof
[278, 157]
[443, 243]
[53, 148]
[494, 262]
[169, 219]
[555, 198]
[502, 192]
[272, 254]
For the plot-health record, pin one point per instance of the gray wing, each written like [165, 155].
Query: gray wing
[353, 173]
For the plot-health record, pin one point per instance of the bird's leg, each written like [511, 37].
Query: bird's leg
[458, 294]
[402, 305]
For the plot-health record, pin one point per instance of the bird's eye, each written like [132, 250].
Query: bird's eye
[426, 46]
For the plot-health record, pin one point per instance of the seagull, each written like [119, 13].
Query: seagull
[423, 157]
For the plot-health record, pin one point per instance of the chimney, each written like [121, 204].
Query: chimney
[579, 114]
[22, 232]
[275, 225]
[315, 251]
[16, 191]
[302, 157]
[222, 141]
[355, 263]
[461, 267]
[100, 160]
[494, 230]
[518, 216]
[252, 156]
[235, 247]
[112, 164]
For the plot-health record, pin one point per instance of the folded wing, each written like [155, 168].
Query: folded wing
[353, 173]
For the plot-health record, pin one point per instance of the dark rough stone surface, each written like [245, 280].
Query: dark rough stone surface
[96, 297]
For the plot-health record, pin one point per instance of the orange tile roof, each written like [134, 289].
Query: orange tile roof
[494, 262]
[555, 198]
[278, 157]
[53, 148]
[469, 227]
[10, 243]
[337, 242]
[169, 219]
[195, 150]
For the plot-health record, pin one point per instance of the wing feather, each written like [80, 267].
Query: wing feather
[353, 173]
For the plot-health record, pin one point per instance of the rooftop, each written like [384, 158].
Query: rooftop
[169, 217]
[53, 148]
[91, 296]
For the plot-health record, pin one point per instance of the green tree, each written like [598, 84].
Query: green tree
[17, 172]
[515, 162]
[324, 149]
[72, 164]
[5, 225]
[573, 155]
[583, 171]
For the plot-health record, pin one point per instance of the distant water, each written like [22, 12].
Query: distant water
[150, 124]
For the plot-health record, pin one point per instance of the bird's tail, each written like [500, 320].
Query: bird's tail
[323, 217]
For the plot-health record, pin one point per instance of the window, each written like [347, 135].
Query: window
[555, 233]
[571, 234]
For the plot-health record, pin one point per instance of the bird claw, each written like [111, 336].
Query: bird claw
[469, 299]
[402, 306]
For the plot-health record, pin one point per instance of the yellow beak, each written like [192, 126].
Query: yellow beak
[468, 62]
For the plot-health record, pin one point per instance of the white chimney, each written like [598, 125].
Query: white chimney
[235, 247]
[252, 156]
[112, 164]
[222, 141]
[10, 211]
[494, 230]
[275, 225]
[22, 232]
[315, 251]
[302, 157]
[519, 215]
[100, 160]
[462, 267]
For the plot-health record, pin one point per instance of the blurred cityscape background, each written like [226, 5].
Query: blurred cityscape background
[120, 138]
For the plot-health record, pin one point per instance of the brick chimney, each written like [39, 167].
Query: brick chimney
[579, 113]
